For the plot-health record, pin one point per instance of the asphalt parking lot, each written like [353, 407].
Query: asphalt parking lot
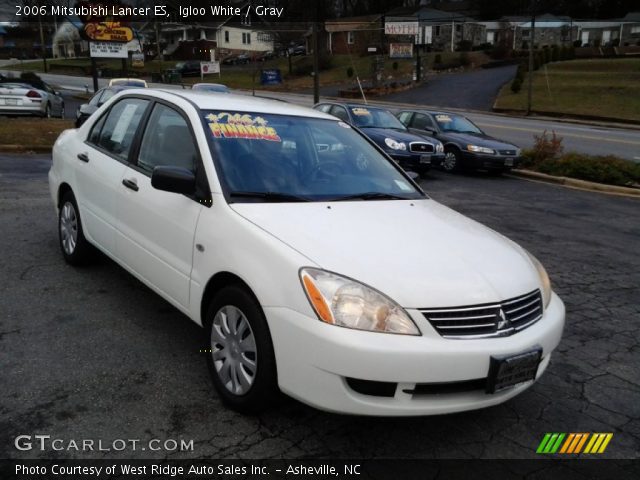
[92, 353]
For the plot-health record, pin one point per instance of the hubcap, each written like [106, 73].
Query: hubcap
[450, 161]
[68, 228]
[233, 348]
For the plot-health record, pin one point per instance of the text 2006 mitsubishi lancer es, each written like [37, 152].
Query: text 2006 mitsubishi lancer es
[316, 266]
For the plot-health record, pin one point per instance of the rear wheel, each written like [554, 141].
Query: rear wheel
[239, 351]
[47, 111]
[75, 248]
[452, 160]
[62, 111]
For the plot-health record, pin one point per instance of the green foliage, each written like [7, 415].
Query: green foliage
[464, 59]
[547, 156]
[438, 58]
[602, 169]
[394, 65]
[350, 72]
[465, 45]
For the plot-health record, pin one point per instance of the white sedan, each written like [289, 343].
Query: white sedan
[316, 266]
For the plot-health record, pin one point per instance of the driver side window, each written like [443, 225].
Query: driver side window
[167, 140]
[421, 121]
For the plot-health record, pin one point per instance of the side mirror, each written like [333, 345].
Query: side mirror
[173, 179]
[430, 131]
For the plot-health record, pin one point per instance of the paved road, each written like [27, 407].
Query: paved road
[623, 142]
[474, 90]
[92, 353]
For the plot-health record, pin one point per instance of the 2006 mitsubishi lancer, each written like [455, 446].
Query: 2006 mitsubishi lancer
[316, 266]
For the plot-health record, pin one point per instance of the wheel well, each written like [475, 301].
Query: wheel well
[217, 283]
[64, 188]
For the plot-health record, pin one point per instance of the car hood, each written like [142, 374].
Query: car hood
[419, 252]
[379, 134]
[480, 140]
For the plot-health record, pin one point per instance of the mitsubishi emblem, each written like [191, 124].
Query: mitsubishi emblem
[502, 320]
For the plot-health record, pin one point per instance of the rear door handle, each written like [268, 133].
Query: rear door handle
[130, 184]
[84, 157]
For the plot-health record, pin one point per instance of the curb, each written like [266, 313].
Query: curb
[578, 184]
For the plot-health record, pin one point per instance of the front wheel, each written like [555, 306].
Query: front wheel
[452, 160]
[239, 351]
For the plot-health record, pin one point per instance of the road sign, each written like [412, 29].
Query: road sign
[108, 50]
[209, 67]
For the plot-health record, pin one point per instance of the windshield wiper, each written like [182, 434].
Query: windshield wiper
[270, 196]
[369, 196]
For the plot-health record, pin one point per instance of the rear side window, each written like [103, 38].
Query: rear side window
[325, 107]
[422, 121]
[404, 117]
[167, 140]
[117, 134]
[341, 113]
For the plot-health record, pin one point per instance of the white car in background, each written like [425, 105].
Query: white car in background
[316, 266]
[19, 98]
[128, 82]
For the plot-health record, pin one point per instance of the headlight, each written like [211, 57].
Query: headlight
[341, 301]
[439, 148]
[544, 280]
[476, 148]
[393, 145]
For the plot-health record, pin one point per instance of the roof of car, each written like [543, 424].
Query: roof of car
[353, 105]
[236, 103]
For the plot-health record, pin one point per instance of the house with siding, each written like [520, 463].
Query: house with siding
[353, 34]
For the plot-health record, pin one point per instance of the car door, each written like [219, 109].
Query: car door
[156, 228]
[99, 166]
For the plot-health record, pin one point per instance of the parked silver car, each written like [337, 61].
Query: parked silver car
[20, 98]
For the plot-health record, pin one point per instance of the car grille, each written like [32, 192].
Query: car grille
[507, 152]
[489, 320]
[420, 147]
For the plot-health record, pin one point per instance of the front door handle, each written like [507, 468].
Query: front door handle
[129, 183]
[84, 157]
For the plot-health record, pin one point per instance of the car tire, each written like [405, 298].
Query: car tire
[47, 111]
[452, 160]
[76, 250]
[62, 111]
[240, 351]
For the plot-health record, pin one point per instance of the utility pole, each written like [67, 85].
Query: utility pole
[316, 63]
[42, 45]
[532, 39]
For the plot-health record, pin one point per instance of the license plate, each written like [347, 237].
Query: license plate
[508, 162]
[11, 101]
[425, 159]
[505, 372]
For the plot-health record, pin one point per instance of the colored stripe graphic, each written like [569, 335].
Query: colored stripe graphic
[573, 443]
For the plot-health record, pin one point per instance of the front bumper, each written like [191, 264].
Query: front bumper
[490, 162]
[314, 361]
[416, 161]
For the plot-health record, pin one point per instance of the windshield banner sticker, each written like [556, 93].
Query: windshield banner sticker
[238, 125]
[360, 111]
[443, 118]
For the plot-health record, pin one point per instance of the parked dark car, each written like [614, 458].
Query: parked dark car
[297, 50]
[101, 96]
[189, 68]
[412, 152]
[465, 145]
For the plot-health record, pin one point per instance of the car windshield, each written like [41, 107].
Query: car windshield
[277, 158]
[455, 123]
[366, 117]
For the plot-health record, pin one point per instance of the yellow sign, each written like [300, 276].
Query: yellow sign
[108, 32]
[229, 125]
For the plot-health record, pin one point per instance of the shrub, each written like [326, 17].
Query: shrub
[555, 53]
[394, 65]
[603, 169]
[546, 54]
[464, 59]
[350, 72]
[516, 85]
[546, 147]
[438, 58]
[465, 45]
[577, 43]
